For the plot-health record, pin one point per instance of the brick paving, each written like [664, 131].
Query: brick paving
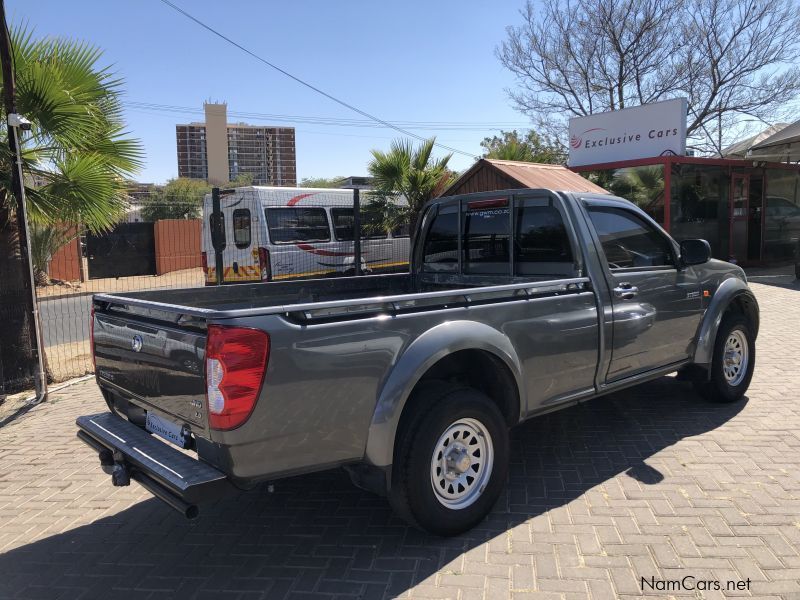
[651, 482]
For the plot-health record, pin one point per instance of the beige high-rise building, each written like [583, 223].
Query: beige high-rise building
[220, 151]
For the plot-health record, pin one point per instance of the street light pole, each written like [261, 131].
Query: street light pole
[40, 378]
[15, 122]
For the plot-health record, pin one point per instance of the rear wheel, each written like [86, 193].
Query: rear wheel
[733, 361]
[451, 460]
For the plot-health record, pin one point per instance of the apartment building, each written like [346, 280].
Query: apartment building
[220, 151]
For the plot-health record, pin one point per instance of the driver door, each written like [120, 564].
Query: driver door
[656, 305]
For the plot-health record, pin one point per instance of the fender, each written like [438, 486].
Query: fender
[421, 355]
[727, 292]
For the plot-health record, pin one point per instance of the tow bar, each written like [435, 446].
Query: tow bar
[128, 452]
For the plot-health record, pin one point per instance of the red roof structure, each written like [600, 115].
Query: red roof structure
[488, 175]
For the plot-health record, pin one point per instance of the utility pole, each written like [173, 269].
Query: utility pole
[14, 123]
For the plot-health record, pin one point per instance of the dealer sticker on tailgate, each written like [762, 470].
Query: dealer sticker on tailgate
[165, 429]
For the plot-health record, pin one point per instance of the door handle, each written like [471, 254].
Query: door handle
[626, 291]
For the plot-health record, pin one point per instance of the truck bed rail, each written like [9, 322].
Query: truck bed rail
[359, 307]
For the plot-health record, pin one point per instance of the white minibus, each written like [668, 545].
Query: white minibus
[275, 233]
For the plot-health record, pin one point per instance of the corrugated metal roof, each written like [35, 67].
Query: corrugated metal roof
[788, 135]
[742, 147]
[538, 175]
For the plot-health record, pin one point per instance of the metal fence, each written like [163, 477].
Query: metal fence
[306, 239]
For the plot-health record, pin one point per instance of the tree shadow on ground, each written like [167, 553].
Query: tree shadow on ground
[317, 535]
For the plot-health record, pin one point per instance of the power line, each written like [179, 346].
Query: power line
[333, 121]
[308, 85]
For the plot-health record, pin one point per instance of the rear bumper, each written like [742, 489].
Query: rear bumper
[128, 452]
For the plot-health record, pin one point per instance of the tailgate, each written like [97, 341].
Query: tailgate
[156, 365]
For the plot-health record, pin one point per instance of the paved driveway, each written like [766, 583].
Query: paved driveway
[651, 483]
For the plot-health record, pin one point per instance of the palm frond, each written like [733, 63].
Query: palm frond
[78, 149]
[81, 188]
[410, 171]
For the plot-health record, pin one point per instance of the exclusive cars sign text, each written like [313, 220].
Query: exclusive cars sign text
[640, 132]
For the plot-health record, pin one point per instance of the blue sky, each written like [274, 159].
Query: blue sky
[402, 61]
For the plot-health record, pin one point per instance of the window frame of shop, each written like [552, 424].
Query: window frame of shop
[749, 167]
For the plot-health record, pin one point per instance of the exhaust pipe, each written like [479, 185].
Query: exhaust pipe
[190, 511]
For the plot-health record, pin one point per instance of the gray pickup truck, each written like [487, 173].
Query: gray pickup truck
[517, 303]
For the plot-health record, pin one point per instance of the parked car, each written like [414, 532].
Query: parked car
[781, 227]
[516, 303]
[274, 233]
[797, 260]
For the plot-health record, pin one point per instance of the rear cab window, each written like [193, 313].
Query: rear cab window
[292, 225]
[485, 234]
[440, 252]
[533, 228]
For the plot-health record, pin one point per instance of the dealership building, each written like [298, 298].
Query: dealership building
[745, 203]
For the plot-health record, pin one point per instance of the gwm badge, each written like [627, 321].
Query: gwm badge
[137, 343]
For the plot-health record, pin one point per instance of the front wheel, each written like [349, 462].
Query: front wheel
[451, 460]
[733, 361]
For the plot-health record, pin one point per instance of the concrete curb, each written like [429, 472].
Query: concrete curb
[63, 296]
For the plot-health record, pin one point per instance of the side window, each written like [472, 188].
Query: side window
[401, 231]
[629, 241]
[289, 225]
[441, 245]
[342, 223]
[541, 242]
[216, 226]
[486, 236]
[371, 224]
[241, 227]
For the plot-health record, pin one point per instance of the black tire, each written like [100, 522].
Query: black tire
[437, 407]
[718, 388]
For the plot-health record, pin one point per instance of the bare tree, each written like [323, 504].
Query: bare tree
[742, 63]
[733, 60]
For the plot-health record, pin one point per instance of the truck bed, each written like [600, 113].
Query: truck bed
[324, 298]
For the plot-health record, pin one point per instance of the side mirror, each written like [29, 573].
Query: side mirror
[695, 252]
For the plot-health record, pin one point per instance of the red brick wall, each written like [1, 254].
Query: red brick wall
[177, 244]
[66, 262]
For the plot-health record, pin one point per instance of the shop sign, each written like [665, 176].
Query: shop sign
[657, 129]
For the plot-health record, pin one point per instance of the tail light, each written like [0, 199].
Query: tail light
[263, 264]
[236, 360]
[91, 338]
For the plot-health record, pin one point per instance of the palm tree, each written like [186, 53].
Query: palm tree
[76, 159]
[46, 240]
[411, 172]
[640, 185]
